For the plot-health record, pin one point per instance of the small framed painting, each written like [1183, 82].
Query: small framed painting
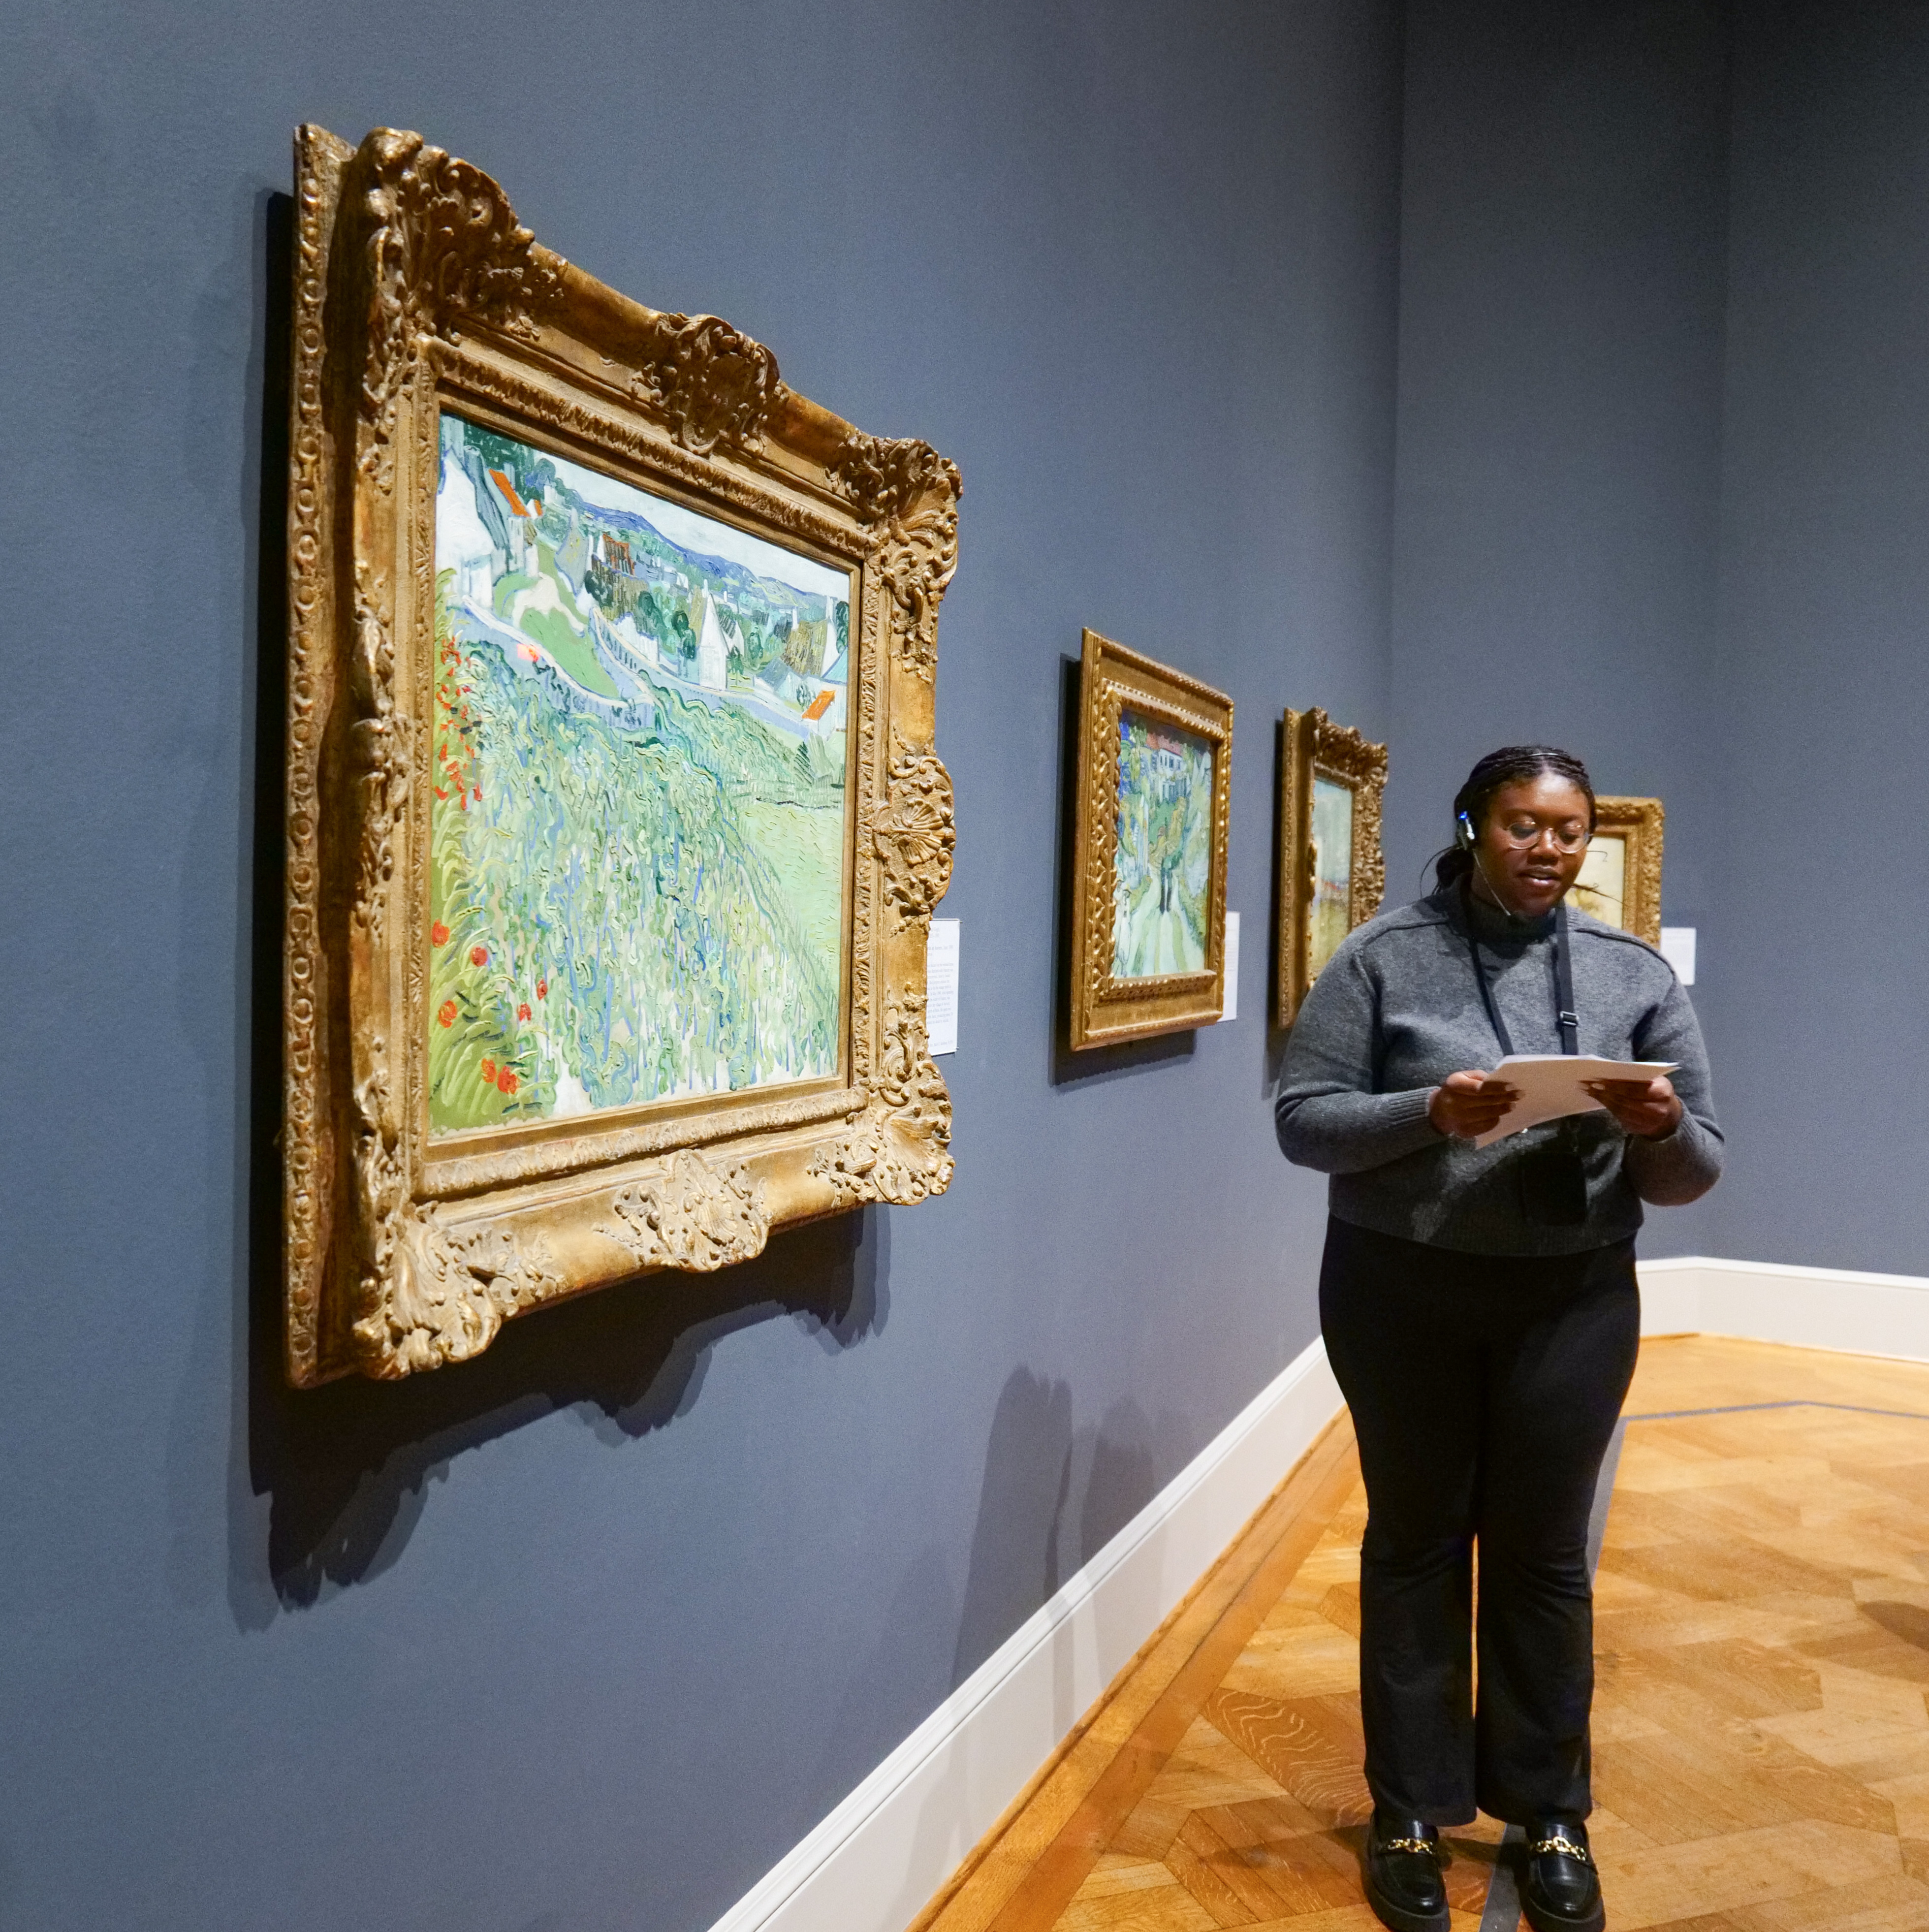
[1332, 870]
[1621, 877]
[1154, 792]
[614, 821]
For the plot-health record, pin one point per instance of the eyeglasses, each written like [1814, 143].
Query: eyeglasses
[1523, 833]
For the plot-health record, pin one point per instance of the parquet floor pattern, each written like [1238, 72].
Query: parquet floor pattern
[1761, 1732]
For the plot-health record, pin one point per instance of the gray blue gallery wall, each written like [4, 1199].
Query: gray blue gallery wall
[585, 1635]
[1818, 709]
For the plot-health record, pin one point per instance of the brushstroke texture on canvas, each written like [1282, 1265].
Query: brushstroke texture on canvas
[1163, 858]
[639, 822]
[1332, 870]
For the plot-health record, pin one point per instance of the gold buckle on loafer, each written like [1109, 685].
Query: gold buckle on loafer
[1561, 1843]
[1409, 1845]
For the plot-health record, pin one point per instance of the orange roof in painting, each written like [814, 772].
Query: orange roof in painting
[819, 705]
[508, 490]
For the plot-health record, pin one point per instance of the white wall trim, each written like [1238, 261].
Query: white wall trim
[873, 1864]
[1842, 1309]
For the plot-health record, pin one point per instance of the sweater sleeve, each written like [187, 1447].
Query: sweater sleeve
[1327, 1114]
[1683, 1166]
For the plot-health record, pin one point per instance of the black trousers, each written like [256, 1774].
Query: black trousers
[1484, 1391]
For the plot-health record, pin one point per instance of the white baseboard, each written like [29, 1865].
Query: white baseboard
[1768, 1301]
[875, 1861]
[874, 1864]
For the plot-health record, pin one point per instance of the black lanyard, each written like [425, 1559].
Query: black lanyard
[1565, 1017]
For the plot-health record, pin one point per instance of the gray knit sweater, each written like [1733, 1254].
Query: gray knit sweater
[1397, 1008]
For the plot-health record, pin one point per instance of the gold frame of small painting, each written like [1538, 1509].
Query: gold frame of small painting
[1332, 786]
[1154, 802]
[1621, 878]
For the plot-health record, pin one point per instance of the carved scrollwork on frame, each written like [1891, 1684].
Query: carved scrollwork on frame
[1317, 751]
[898, 1149]
[427, 1295]
[443, 250]
[1111, 998]
[910, 493]
[412, 1234]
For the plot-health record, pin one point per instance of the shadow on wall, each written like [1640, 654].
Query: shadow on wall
[1053, 1498]
[345, 1468]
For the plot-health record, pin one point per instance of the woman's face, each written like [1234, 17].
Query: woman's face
[1522, 866]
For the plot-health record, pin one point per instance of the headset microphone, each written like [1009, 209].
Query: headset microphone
[1463, 836]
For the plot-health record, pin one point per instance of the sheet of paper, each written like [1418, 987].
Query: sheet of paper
[1549, 1086]
[1230, 1011]
[941, 978]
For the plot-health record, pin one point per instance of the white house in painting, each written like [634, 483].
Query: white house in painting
[462, 540]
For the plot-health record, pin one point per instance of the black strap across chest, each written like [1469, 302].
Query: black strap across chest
[1565, 1017]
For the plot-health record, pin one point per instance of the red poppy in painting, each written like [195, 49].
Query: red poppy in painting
[446, 1013]
[488, 1069]
[438, 934]
[478, 956]
[506, 1080]
[542, 989]
[523, 1011]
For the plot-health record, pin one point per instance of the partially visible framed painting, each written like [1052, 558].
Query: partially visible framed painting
[1620, 876]
[1332, 869]
[614, 822]
[1154, 796]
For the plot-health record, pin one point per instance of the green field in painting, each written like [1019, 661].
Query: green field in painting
[1162, 860]
[636, 884]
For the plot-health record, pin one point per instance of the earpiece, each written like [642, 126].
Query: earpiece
[1463, 837]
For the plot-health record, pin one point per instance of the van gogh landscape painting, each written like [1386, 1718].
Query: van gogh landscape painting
[1332, 870]
[640, 817]
[1163, 862]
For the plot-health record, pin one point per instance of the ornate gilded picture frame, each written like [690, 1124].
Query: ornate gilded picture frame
[1148, 891]
[1621, 877]
[1332, 869]
[614, 823]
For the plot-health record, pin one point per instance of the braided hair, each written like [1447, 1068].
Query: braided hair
[1512, 764]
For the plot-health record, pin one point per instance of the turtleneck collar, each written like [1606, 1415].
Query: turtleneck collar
[1494, 927]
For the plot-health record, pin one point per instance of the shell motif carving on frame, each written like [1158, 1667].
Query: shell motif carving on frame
[913, 833]
[693, 1216]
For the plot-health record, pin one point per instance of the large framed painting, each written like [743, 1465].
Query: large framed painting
[1620, 876]
[1154, 792]
[614, 823]
[1332, 868]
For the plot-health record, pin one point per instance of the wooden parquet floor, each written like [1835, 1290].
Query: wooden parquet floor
[1761, 1733]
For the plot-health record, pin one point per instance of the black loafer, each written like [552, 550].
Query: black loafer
[1403, 1882]
[1560, 1889]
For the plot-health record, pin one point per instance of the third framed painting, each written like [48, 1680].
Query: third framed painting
[1332, 870]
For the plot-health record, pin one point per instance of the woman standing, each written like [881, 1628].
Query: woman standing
[1480, 1310]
